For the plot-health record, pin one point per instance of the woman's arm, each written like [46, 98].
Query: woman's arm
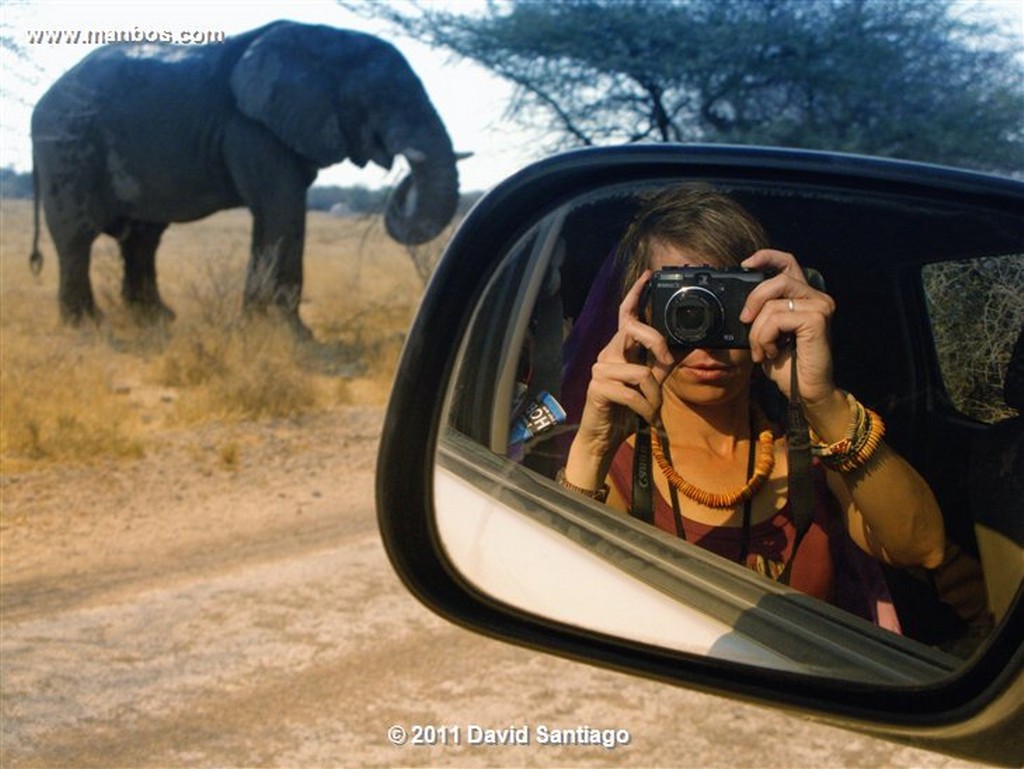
[620, 385]
[890, 510]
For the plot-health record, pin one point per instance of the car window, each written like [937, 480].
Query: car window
[976, 311]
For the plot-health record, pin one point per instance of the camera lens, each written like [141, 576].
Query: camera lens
[691, 315]
[691, 318]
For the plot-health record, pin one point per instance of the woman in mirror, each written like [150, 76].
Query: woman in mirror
[720, 467]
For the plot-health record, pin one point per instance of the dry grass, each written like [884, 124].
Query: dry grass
[977, 300]
[77, 394]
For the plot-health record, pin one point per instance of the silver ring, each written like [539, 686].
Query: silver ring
[791, 305]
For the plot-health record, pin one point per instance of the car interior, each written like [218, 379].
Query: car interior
[874, 252]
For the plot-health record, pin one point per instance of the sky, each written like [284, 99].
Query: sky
[471, 102]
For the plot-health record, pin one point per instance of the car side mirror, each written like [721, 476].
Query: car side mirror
[480, 531]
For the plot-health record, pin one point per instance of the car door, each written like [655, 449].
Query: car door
[479, 530]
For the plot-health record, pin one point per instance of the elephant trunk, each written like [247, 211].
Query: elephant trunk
[424, 202]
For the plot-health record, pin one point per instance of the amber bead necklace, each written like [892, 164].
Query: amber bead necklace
[764, 463]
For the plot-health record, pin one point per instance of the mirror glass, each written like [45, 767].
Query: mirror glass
[927, 325]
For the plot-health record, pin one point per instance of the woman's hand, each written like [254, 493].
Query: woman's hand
[785, 307]
[621, 382]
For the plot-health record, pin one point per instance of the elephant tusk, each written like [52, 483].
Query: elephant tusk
[414, 155]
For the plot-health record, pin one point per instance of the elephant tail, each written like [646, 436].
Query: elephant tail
[35, 259]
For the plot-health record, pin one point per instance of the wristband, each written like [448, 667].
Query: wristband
[600, 494]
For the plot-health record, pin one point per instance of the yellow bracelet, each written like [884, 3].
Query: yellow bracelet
[866, 431]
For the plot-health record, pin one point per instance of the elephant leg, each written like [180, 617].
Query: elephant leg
[273, 184]
[275, 271]
[75, 295]
[139, 290]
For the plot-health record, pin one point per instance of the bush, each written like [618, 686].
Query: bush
[244, 371]
[977, 311]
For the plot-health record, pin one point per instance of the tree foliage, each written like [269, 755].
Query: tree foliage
[903, 78]
[15, 185]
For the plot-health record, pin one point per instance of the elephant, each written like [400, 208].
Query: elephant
[138, 136]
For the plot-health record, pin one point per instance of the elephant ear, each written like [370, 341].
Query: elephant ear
[278, 83]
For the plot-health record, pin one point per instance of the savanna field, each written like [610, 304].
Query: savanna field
[110, 390]
[192, 574]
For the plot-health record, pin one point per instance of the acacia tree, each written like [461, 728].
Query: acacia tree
[904, 78]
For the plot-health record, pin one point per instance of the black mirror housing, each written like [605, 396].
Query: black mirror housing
[975, 710]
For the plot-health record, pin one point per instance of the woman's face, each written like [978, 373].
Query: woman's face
[701, 376]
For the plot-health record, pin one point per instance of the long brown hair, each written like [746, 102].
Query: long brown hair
[694, 217]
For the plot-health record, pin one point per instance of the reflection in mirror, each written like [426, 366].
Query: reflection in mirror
[887, 553]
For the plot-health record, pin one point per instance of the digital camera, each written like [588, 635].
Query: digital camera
[700, 306]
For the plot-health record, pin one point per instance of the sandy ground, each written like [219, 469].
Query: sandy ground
[185, 610]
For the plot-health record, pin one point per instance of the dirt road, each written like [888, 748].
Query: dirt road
[225, 601]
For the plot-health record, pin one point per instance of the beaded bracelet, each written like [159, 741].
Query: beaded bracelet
[853, 451]
[847, 445]
[600, 494]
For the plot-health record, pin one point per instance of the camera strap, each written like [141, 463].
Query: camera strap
[642, 492]
[801, 484]
[642, 502]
